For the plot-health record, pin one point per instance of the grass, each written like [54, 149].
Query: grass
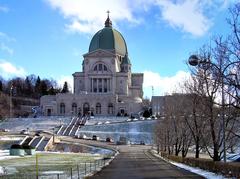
[47, 162]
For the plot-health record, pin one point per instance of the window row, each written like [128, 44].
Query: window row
[100, 68]
[86, 109]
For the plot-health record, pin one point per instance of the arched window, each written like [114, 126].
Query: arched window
[98, 108]
[74, 108]
[100, 68]
[62, 108]
[110, 108]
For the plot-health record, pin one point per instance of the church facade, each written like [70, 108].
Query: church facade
[105, 86]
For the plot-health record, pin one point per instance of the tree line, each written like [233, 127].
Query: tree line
[31, 86]
[25, 91]
[207, 114]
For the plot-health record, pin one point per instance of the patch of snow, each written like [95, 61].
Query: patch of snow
[1, 170]
[201, 172]
[42, 123]
[198, 171]
[53, 172]
[7, 138]
[4, 154]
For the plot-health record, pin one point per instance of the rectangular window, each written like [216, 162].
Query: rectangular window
[100, 67]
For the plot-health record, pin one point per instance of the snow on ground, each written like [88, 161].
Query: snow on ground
[1, 170]
[135, 132]
[10, 138]
[204, 173]
[198, 171]
[40, 123]
[105, 119]
[4, 154]
[53, 172]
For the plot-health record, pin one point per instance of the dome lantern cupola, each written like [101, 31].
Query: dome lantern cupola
[108, 22]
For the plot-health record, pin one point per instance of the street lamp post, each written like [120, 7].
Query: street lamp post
[10, 102]
[195, 61]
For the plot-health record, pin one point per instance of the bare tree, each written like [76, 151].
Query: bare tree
[194, 115]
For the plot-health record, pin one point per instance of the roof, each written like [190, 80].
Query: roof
[108, 38]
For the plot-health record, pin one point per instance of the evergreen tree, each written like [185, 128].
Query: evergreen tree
[52, 91]
[65, 88]
[37, 87]
[43, 89]
[28, 89]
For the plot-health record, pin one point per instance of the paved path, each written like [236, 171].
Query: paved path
[136, 162]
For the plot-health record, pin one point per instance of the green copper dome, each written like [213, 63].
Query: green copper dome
[108, 39]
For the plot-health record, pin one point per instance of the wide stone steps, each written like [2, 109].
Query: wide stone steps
[43, 144]
[36, 141]
[26, 141]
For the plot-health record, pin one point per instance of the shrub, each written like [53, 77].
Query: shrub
[146, 114]
[28, 147]
[230, 169]
[16, 146]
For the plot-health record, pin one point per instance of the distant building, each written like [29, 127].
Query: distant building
[106, 85]
[158, 103]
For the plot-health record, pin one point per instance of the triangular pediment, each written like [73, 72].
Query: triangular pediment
[100, 53]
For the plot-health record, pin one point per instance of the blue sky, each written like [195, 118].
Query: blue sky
[49, 37]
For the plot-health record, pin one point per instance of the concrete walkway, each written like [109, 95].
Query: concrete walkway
[136, 162]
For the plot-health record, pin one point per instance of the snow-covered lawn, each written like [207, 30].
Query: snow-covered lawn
[105, 119]
[204, 173]
[41, 123]
[48, 162]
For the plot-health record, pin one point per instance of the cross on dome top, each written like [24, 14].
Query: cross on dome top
[108, 22]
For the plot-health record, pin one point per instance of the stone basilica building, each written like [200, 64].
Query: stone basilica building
[106, 85]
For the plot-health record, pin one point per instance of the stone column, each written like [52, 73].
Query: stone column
[91, 85]
[97, 86]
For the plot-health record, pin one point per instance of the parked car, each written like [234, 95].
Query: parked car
[122, 141]
[108, 139]
[128, 120]
[94, 137]
[26, 132]
[4, 130]
[82, 136]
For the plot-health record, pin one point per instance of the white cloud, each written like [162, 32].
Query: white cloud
[68, 79]
[187, 15]
[4, 9]
[6, 37]
[191, 16]
[89, 16]
[8, 70]
[5, 48]
[163, 84]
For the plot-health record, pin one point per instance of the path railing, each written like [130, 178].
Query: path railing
[77, 171]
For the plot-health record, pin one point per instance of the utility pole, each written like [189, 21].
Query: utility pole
[152, 91]
[10, 102]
